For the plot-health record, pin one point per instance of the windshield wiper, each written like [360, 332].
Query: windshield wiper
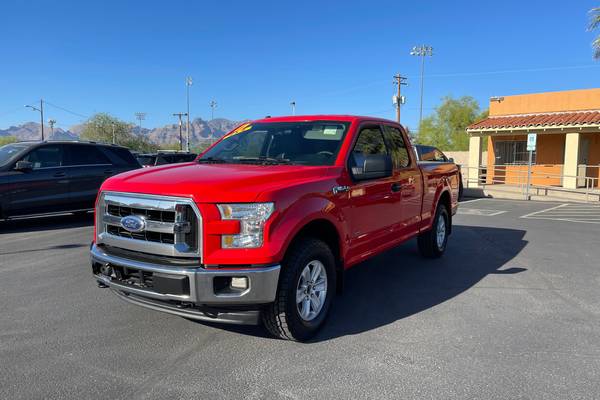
[212, 160]
[264, 160]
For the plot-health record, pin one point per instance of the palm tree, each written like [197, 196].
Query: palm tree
[595, 23]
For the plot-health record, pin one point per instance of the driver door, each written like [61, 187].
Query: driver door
[374, 205]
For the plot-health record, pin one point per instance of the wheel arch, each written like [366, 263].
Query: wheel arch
[325, 230]
[446, 200]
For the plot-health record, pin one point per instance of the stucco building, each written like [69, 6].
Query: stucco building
[567, 125]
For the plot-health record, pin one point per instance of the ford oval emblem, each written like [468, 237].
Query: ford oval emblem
[133, 223]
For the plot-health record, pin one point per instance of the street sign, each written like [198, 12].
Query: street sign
[531, 141]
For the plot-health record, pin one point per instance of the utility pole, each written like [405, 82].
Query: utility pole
[422, 51]
[113, 132]
[293, 104]
[213, 105]
[180, 128]
[41, 110]
[188, 83]
[51, 122]
[140, 116]
[398, 99]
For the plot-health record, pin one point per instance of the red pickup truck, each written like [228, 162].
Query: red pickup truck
[264, 223]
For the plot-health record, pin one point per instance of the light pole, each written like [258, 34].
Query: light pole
[180, 129]
[140, 117]
[398, 100]
[421, 51]
[188, 83]
[41, 110]
[51, 122]
[112, 124]
[213, 105]
[293, 104]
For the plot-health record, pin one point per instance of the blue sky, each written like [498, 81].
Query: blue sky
[254, 57]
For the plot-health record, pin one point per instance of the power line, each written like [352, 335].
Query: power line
[67, 110]
[511, 71]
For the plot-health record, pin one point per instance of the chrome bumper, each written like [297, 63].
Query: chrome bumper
[262, 285]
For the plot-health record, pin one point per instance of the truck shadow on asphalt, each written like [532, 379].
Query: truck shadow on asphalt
[38, 224]
[400, 283]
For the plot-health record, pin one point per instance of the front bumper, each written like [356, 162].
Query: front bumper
[199, 294]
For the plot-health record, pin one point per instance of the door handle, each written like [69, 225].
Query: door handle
[396, 187]
[108, 171]
[59, 175]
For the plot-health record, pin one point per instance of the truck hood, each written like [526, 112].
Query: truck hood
[214, 183]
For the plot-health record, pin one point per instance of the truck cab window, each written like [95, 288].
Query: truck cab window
[398, 148]
[370, 141]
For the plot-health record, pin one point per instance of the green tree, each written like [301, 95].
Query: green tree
[594, 24]
[100, 128]
[7, 139]
[446, 127]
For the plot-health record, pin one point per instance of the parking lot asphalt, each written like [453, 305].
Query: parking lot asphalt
[511, 311]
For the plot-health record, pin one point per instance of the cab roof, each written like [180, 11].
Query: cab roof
[322, 117]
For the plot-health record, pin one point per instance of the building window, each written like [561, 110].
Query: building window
[512, 152]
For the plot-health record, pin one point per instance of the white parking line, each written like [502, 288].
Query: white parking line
[479, 211]
[471, 201]
[541, 211]
[568, 212]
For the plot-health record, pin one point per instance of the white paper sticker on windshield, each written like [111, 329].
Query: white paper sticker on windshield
[330, 130]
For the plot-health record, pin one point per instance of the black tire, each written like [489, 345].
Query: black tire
[428, 241]
[460, 190]
[282, 317]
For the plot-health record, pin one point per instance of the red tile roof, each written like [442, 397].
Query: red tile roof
[573, 118]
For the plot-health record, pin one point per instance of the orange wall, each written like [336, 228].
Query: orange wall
[550, 149]
[570, 100]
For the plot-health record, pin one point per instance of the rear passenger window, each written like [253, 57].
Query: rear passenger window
[120, 156]
[398, 148]
[46, 157]
[79, 154]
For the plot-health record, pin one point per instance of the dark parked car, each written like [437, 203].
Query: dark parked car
[161, 158]
[56, 176]
[433, 154]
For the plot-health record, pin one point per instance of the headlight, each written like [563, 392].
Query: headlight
[252, 217]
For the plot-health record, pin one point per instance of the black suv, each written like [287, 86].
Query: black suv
[56, 176]
[151, 160]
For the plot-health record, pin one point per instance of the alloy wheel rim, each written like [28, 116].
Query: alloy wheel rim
[441, 232]
[311, 290]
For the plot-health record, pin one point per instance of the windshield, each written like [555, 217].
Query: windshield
[303, 143]
[9, 151]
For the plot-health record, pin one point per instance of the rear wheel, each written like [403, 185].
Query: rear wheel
[432, 243]
[306, 290]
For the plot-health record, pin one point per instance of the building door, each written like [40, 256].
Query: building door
[583, 159]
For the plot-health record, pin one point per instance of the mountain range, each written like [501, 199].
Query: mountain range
[200, 130]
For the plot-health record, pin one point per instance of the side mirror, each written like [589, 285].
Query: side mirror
[451, 160]
[374, 166]
[23, 166]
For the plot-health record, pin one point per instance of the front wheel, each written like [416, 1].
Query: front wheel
[305, 292]
[432, 243]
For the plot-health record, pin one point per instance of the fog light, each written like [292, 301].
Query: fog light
[106, 269]
[239, 282]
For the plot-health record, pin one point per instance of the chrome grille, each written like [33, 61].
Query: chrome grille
[171, 225]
